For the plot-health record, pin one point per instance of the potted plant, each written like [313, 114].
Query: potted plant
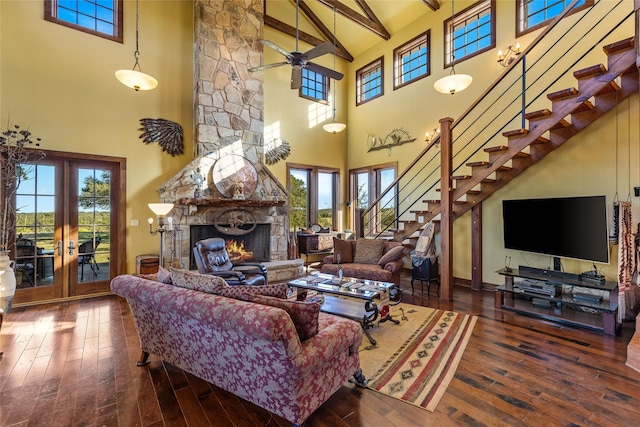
[17, 158]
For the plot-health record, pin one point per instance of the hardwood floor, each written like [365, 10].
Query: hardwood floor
[73, 364]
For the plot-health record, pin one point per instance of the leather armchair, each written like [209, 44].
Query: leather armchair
[212, 258]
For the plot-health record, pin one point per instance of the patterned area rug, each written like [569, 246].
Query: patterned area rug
[416, 360]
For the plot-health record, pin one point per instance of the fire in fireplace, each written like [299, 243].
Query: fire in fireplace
[252, 247]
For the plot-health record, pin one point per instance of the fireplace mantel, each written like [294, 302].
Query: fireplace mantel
[191, 201]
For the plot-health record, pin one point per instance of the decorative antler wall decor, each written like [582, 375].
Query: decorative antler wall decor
[395, 138]
[165, 132]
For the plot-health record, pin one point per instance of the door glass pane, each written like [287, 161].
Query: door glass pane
[35, 224]
[94, 224]
[325, 199]
[298, 198]
[387, 203]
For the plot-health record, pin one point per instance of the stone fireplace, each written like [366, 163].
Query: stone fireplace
[228, 115]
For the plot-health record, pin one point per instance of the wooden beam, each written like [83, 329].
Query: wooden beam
[366, 22]
[433, 4]
[446, 212]
[476, 247]
[305, 37]
[341, 50]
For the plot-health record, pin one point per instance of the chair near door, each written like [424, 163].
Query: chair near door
[86, 255]
[26, 252]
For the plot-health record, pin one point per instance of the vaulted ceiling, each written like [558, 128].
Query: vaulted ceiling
[359, 24]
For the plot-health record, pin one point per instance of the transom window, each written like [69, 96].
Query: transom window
[411, 60]
[315, 86]
[370, 81]
[534, 14]
[98, 17]
[474, 33]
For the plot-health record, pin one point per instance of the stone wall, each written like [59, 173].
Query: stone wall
[228, 114]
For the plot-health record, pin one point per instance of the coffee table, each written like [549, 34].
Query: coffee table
[344, 297]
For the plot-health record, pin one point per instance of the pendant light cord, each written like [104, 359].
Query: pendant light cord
[334, 63]
[137, 52]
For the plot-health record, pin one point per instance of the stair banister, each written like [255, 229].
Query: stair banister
[446, 203]
[518, 59]
[521, 59]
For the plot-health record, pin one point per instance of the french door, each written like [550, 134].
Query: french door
[69, 227]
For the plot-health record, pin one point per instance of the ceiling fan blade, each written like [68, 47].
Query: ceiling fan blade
[296, 77]
[324, 70]
[275, 47]
[320, 50]
[267, 66]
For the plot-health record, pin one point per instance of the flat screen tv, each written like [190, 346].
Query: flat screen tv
[570, 227]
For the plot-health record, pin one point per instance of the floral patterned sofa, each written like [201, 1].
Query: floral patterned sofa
[249, 349]
[369, 259]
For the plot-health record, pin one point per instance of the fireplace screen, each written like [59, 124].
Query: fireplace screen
[252, 247]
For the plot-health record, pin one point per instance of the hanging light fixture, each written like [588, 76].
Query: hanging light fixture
[133, 78]
[334, 127]
[453, 82]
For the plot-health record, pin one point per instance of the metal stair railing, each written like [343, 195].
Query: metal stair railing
[545, 65]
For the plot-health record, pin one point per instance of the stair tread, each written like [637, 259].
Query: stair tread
[516, 132]
[562, 94]
[485, 164]
[537, 114]
[594, 70]
[619, 45]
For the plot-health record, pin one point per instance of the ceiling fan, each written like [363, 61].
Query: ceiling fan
[299, 60]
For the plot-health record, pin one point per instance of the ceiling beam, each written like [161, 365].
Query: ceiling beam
[305, 37]
[370, 23]
[433, 4]
[324, 30]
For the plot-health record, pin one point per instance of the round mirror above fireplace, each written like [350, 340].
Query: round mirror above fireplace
[234, 176]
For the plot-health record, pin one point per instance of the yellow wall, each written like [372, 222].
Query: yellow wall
[60, 82]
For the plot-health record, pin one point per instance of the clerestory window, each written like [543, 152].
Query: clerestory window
[534, 14]
[412, 60]
[101, 18]
[474, 33]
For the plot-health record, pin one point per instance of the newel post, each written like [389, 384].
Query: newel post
[446, 205]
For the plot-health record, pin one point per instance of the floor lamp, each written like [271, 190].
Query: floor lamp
[161, 210]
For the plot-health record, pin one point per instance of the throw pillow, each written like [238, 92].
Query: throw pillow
[368, 251]
[164, 276]
[303, 314]
[343, 249]
[196, 281]
[277, 290]
[393, 254]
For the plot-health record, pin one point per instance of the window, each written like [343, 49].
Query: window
[315, 86]
[411, 60]
[313, 196]
[98, 17]
[531, 15]
[370, 81]
[366, 185]
[475, 32]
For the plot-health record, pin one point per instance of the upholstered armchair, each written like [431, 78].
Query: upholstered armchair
[212, 258]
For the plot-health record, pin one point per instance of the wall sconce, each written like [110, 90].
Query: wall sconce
[430, 137]
[507, 58]
[161, 210]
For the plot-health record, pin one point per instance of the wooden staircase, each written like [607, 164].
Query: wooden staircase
[571, 111]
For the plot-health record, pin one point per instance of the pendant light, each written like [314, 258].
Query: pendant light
[453, 82]
[133, 78]
[334, 127]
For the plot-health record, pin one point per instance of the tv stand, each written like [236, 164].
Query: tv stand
[550, 294]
